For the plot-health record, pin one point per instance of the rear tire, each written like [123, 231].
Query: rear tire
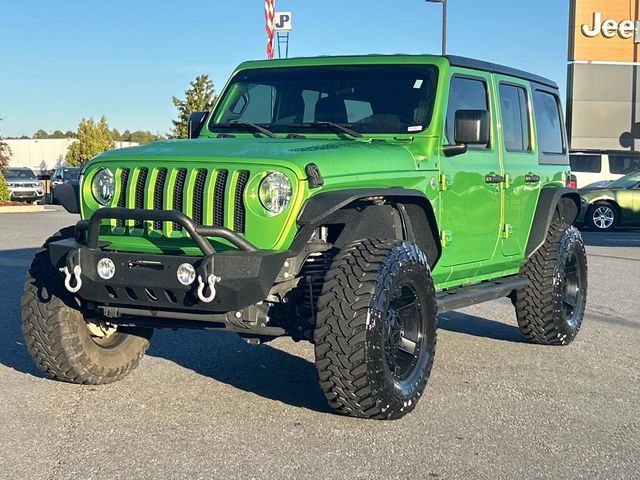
[57, 336]
[375, 331]
[551, 308]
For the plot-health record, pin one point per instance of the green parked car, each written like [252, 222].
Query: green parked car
[616, 204]
[342, 201]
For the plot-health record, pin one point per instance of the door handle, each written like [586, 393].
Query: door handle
[531, 178]
[494, 178]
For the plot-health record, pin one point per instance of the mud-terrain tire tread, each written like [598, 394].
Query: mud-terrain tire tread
[341, 329]
[52, 336]
[535, 304]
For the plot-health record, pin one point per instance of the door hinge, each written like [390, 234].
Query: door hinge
[506, 181]
[446, 237]
[507, 230]
[442, 182]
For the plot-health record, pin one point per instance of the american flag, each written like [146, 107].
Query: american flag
[269, 15]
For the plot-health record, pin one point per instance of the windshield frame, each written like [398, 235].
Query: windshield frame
[295, 129]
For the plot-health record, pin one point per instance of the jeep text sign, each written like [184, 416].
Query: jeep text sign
[603, 31]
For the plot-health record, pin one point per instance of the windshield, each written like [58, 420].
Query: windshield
[19, 174]
[628, 181]
[394, 99]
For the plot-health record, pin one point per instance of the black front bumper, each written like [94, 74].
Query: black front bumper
[149, 281]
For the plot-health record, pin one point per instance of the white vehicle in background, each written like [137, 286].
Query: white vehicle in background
[591, 167]
[23, 185]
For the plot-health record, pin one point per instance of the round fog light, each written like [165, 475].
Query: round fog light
[106, 269]
[186, 274]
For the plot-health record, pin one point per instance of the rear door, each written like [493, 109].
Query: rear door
[520, 162]
[469, 201]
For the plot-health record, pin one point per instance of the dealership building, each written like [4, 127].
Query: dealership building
[42, 155]
[603, 94]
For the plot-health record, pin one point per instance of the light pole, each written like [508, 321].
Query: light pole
[444, 23]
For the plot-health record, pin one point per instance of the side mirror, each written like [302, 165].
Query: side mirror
[196, 123]
[472, 127]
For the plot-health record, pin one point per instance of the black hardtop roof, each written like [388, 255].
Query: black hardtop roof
[454, 60]
[465, 62]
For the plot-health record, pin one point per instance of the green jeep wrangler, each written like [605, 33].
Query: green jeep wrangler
[343, 201]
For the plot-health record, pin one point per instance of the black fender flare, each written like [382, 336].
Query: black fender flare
[413, 208]
[564, 200]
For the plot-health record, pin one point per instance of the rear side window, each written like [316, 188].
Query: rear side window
[548, 123]
[515, 118]
[465, 94]
[586, 163]
[622, 164]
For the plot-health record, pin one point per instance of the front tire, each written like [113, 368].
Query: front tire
[551, 308]
[60, 341]
[375, 331]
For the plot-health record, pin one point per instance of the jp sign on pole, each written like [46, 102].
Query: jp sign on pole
[283, 22]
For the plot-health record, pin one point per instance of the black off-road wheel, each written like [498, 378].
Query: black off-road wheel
[61, 342]
[375, 331]
[551, 308]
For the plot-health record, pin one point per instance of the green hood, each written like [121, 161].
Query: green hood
[334, 157]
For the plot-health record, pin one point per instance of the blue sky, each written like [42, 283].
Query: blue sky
[65, 60]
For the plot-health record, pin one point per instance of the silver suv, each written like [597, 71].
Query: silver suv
[23, 185]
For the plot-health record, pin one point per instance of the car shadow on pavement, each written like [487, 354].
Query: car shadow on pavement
[263, 370]
[13, 354]
[479, 327]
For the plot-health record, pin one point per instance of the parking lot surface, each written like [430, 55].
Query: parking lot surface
[206, 405]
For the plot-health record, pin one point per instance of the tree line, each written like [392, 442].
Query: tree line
[94, 137]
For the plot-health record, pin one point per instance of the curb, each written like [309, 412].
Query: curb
[22, 209]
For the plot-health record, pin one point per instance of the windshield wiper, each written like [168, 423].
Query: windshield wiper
[247, 126]
[335, 127]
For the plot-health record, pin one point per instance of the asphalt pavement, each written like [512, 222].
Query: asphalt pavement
[206, 405]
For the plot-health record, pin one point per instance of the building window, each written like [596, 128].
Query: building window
[515, 118]
[549, 123]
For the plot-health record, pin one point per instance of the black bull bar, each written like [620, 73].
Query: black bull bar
[242, 277]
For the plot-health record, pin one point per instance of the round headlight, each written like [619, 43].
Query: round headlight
[103, 186]
[275, 192]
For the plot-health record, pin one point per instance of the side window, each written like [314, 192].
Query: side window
[623, 164]
[465, 94]
[515, 118]
[548, 123]
[586, 163]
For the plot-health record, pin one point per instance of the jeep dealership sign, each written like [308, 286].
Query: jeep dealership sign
[603, 88]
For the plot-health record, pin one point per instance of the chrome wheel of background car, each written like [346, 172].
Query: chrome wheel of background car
[603, 217]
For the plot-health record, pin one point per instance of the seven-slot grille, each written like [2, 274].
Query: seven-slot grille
[201, 194]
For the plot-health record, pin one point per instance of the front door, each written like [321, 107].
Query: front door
[470, 187]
